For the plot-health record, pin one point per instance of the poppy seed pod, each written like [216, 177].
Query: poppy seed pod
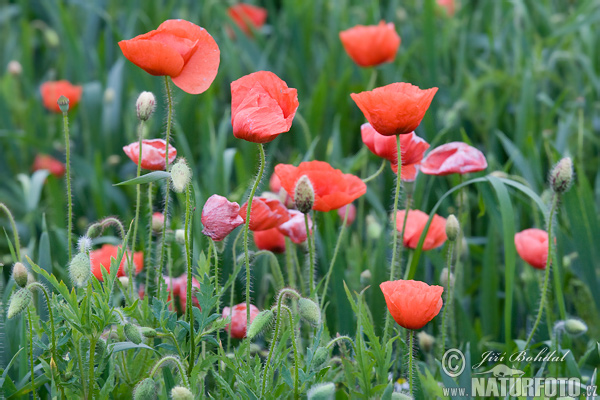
[321, 391]
[19, 302]
[309, 310]
[452, 228]
[63, 103]
[562, 175]
[132, 333]
[145, 105]
[145, 390]
[20, 274]
[575, 327]
[304, 195]
[181, 175]
[80, 269]
[181, 393]
[261, 321]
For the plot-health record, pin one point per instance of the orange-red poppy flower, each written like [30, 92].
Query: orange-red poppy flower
[262, 107]
[153, 153]
[179, 49]
[265, 213]
[295, 227]
[271, 240]
[453, 158]
[275, 187]
[43, 161]
[51, 91]
[415, 223]
[101, 259]
[219, 217]
[413, 148]
[247, 17]
[237, 327]
[371, 45]
[412, 303]
[333, 189]
[532, 246]
[351, 213]
[394, 109]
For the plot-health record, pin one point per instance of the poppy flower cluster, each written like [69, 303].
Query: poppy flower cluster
[412, 304]
[51, 91]
[44, 161]
[153, 153]
[101, 259]
[239, 318]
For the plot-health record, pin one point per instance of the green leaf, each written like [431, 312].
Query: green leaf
[151, 177]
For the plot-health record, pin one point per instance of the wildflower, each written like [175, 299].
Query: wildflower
[371, 45]
[265, 213]
[449, 6]
[181, 175]
[394, 109]
[262, 107]
[51, 91]
[351, 213]
[295, 226]
[412, 304]
[14, 68]
[304, 195]
[532, 246]
[219, 217]
[180, 290]
[101, 258]
[333, 189]
[575, 327]
[177, 48]
[415, 224]
[55, 167]
[453, 158]
[237, 326]
[561, 176]
[19, 274]
[145, 105]
[247, 17]
[153, 153]
[271, 239]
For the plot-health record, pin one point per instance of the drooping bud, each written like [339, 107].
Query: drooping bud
[575, 327]
[562, 175]
[80, 269]
[148, 332]
[19, 301]
[158, 220]
[20, 274]
[320, 357]
[452, 228]
[14, 68]
[365, 277]
[304, 195]
[181, 393]
[145, 390]
[444, 278]
[145, 105]
[181, 175]
[321, 391]
[426, 341]
[132, 333]
[260, 322]
[63, 104]
[309, 310]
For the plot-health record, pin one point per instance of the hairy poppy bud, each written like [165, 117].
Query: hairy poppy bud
[124, 281]
[145, 390]
[320, 357]
[148, 332]
[452, 228]
[400, 396]
[158, 220]
[181, 175]
[145, 105]
[100, 347]
[444, 278]
[14, 68]
[132, 333]
[80, 269]
[562, 175]
[373, 227]
[63, 103]
[181, 393]
[84, 244]
[19, 302]
[261, 321]
[575, 327]
[426, 341]
[309, 310]
[20, 274]
[322, 391]
[304, 195]
[180, 236]
[365, 277]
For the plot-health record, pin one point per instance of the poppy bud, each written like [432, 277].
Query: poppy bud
[19, 302]
[320, 357]
[444, 278]
[426, 341]
[145, 105]
[304, 195]
[181, 175]
[373, 228]
[180, 236]
[261, 321]
[63, 103]
[20, 274]
[365, 277]
[452, 228]
[109, 95]
[322, 391]
[309, 310]
[181, 393]
[148, 332]
[132, 333]
[100, 347]
[575, 327]
[158, 220]
[80, 269]
[145, 390]
[84, 244]
[14, 68]
[124, 281]
[562, 175]
[400, 396]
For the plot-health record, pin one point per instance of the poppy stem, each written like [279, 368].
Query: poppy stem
[31, 352]
[148, 252]
[376, 174]
[335, 252]
[311, 254]
[448, 297]
[138, 203]
[39, 286]
[189, 299]
[13, 226]
[261, 169]
[411, 337]
[296, 361]
[68, 179]
[547, 273]
[212, 242]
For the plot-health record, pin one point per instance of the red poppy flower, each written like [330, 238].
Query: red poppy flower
[412, 303]
[295, 227]
[247, 16]
[153, 153]
[453, 158]
[351, 213]
[333, 189]
[371, 45]
[413, 148]
[265, 213]
[51, 91]
[101, 259]
[262, 107]
[239, 319]
[219, 217]
[275, 187]
[415, 223]
[43, 161]
[532, 246]
[271, 240]
[394, 109]
[180, 290]
[179, 49]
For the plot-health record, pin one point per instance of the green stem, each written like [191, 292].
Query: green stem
[311, 253]
[13, 225]
[217, 284]
[376, 174]
[275, 268]
[188, 252]
[406, 212]
[137, 203]
[31, 351]
[68, 179]
[177, 362]
[81, 365]
[41, 287]
[339, 338]
[448, 298]
[148, 252]
[91, 367]
[411, 335]
[335, 252]
[261, 168]
[296, 360]
[289, 263]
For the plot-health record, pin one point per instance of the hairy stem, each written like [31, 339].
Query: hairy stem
[68, 179]
[335, 252]
[311, 254]
[188, 253]
[137, 203]
[448, 304]
[31, 352]
[411, 335]
[177, 362]
[376, 174]
[13, 226]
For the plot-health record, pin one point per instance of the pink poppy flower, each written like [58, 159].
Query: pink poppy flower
[453, 158]
[219, 217]
[153, 153]
[237, 327]
[532, 246]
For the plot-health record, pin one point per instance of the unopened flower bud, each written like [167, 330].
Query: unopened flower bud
[400, 396]
[100, 347]
[321, 391]
[14, 68]
[181, 175]
[426, 341]
[575, 327]
[444, 278]
[132, 333]
[365, 277]
[19, 301]
[63, 104]
[180, 236]
[562, 175]
[181, 393]
[260, 322]
[148, 332]
[80, 269]
[452, 228]
[309, 310]
[124, 281]
[158, 220]
[145, 105]
[304, 195]
[145, 390]
[373, 227]
[320, 357]
[20, 274]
